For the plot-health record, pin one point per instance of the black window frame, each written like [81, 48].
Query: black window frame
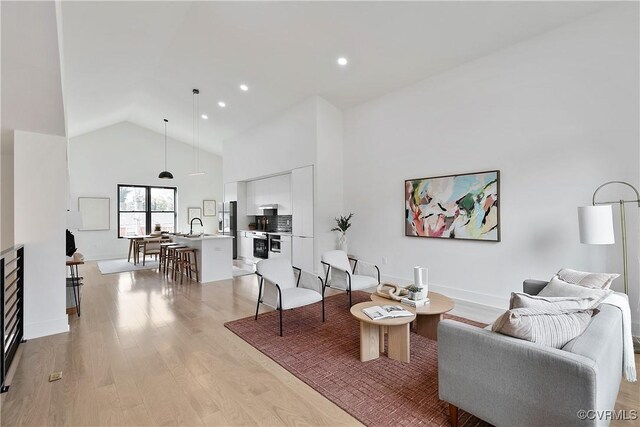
[148, 212]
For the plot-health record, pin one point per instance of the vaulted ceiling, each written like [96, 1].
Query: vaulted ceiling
[139, 61]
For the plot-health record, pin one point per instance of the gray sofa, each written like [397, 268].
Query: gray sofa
[511, 382]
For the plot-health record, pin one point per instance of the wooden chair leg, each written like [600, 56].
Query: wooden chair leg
[453, 415]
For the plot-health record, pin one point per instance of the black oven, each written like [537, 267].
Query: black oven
[260, 246]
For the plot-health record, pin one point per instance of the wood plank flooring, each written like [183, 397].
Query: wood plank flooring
[149, 352]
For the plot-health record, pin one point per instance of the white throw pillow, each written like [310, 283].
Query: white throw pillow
[559, 288]
[550, 328]
[522, 300]
[587, 279]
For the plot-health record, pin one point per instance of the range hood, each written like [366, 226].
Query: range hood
[273, 206]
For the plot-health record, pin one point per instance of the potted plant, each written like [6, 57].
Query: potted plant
[342, 225]
[415, 292]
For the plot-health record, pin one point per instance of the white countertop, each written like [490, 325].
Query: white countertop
[216, 236]
[278, 233]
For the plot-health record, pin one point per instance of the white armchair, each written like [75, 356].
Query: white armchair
[281, 289]
[340, 274]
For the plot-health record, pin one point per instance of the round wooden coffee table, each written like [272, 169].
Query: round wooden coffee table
[428, 316]
[372, 333]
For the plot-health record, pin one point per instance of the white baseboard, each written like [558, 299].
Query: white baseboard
[50, 327]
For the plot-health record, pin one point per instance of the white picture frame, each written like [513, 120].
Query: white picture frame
[194, 213]
[95, 213]
[209, 208]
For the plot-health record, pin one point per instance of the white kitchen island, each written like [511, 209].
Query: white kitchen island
[215, 255]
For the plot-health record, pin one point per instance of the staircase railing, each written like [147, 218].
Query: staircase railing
[12, 306]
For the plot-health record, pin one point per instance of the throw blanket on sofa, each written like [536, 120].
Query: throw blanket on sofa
[628, 361]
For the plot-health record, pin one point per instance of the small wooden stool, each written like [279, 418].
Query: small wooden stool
[171, 263]
[164, 255]
[187, 263]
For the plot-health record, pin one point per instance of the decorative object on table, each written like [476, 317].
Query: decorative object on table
[193, 213]
[95, 213]
[209, 208]
[464, 206]
[596, 224]
[391, 291]
[421, 279]
[342, 225]
[415, 292]
[415, 303]
[165, 174]
[196, 133]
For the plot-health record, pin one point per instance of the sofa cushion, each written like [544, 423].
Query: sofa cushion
[553, 328]
[560, 288]
[522, 300]
[587, 279]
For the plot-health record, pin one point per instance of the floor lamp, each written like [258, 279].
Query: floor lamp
[596, 226]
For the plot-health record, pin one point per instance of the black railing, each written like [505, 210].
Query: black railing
[12, 305]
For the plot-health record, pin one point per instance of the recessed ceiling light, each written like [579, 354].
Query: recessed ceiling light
[244, 87]
[342, 61]
[204, 116]
[221, 104]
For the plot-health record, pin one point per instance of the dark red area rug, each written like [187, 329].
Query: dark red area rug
[326, 356]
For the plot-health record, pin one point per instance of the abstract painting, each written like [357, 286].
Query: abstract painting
[464, 206]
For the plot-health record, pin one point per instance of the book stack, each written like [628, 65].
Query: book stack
[415, 303]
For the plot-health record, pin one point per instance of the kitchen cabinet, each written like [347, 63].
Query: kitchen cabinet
[302, 201]
[302, 253]
[230, 192]
[285, 247]
[273, 190]
[245, 245]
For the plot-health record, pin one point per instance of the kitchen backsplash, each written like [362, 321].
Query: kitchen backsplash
[276, 223]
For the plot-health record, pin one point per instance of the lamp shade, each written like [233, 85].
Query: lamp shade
[596, 225]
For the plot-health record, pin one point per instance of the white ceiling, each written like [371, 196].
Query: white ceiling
[138, 61]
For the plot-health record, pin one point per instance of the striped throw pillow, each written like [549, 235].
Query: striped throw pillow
[543, 326]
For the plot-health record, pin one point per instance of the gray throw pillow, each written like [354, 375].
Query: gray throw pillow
[522, 300]
[541, 326]
[587, 279]
[559, 288]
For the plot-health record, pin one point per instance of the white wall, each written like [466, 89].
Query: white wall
[558, 115]
[283, 143]
[329, 180]
[40, 223]
[128, 154]
[6, 191]
[310, 133]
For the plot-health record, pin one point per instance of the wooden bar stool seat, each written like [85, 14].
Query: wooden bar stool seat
[164, 253]
[171, 262]
[187, 263]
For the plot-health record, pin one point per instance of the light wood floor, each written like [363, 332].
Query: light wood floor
[148, 352]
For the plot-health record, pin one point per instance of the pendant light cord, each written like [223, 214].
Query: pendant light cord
[165, 143]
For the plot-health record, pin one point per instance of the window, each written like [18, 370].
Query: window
[140, 208]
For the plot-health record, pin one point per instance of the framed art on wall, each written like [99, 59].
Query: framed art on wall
[193, 213]
[95, 213]
[464, 206]
[209, 208]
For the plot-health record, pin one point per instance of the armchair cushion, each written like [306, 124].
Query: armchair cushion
[337, 259]
[362, 282]
[298, 297]
[277, 271]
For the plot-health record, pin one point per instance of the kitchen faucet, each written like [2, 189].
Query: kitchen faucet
[191, 225]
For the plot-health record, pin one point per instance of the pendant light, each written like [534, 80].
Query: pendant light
[165, 174]
[196, 133]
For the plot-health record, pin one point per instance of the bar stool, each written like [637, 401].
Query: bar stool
[171, 263]
[164, 254]
[187, 263]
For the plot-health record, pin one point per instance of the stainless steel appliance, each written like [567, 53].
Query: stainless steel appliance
[227, 223]
[274, 245]
[260, 245]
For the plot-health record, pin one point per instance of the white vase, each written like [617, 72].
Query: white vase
[342, 242]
